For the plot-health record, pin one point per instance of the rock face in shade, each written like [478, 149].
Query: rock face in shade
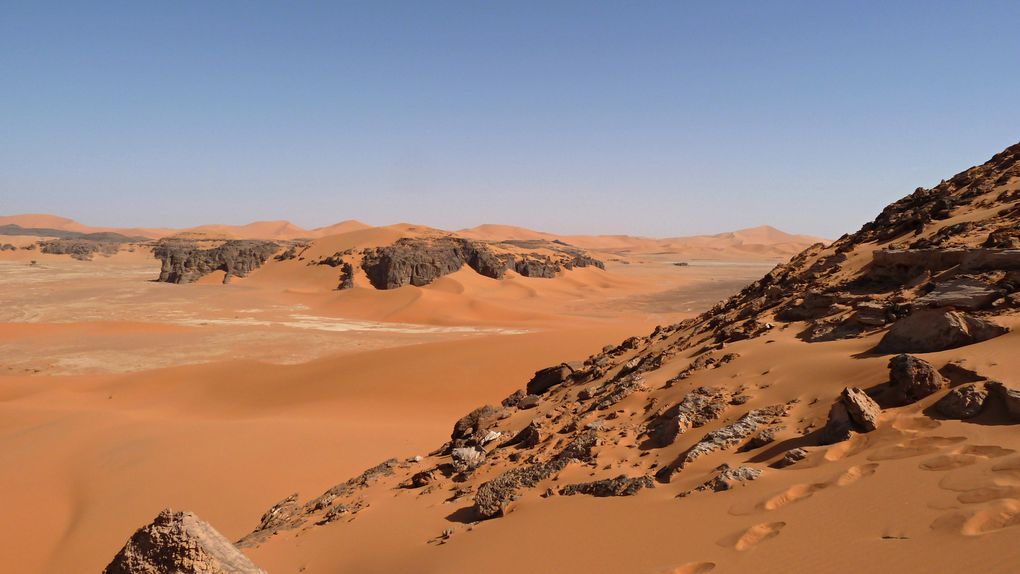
[180, 543]
[420, 260]
[1008, 395]
[963, 402]
[184, 262]
[928, 331]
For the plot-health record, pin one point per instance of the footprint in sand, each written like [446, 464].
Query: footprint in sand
[915, 447]
[855, 473]
[694, 568]
[846, 448]
[757, 534]
[996, 516]
[914, 423]
[792, 494]
[802, 491]
[988, 494]
[1002, 514]
[967, 456]
[949, 461]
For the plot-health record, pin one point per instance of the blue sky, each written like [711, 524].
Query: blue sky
[651, 118]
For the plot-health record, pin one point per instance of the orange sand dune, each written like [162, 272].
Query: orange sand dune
[65, 224]
[752, 243]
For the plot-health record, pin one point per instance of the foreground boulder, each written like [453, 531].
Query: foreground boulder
[1009, 396]
[963, 402]
[853, 411]
[180, 543]
[928, 331]
[913, 378]
[548, 378]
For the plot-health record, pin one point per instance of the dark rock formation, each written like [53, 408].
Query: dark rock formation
[80, 249]
[420, 261]
[726, 479]
[346, 277]
[791, 457]
[494, 495]
[1008, 395]
[184, 262]
[913, 378]
[619, 486]
[928, 331]
[529, 436]
[549, 377]
[963, 402]
[472, 427]
[180, 543]
[698, 407]
[726, 437]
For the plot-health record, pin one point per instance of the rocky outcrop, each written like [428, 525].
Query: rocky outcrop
[549, 377]
[467, 458]
[698, 407]
[470, 429]
[494, 496]
[340, 500]
[620, 486]
[853, 411]
[913, 378]
[963, 402]
[346, 277]
[185, 262]
[726, 479]
[726, 437]
[420, 261]
[964, 293]
[180, 543]
[790, 458]
[928, 331]
[80, 249]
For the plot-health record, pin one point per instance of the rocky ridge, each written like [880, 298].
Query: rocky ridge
[419, 261]
[186, 261]
[955, 241]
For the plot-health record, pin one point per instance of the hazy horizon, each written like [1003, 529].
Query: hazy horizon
[660, 120]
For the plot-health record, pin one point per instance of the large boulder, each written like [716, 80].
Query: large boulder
[472, 427]
[931, 330]
[853, 411]
[914, 378]
[1009, 396]
[548, 378]
[963, 402]
[180, 543]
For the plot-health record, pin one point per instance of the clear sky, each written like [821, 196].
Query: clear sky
[651, 118]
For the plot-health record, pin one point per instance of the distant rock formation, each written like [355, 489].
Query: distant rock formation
[185, 262]
[180, 543]
[80, 249]
[420, 261]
